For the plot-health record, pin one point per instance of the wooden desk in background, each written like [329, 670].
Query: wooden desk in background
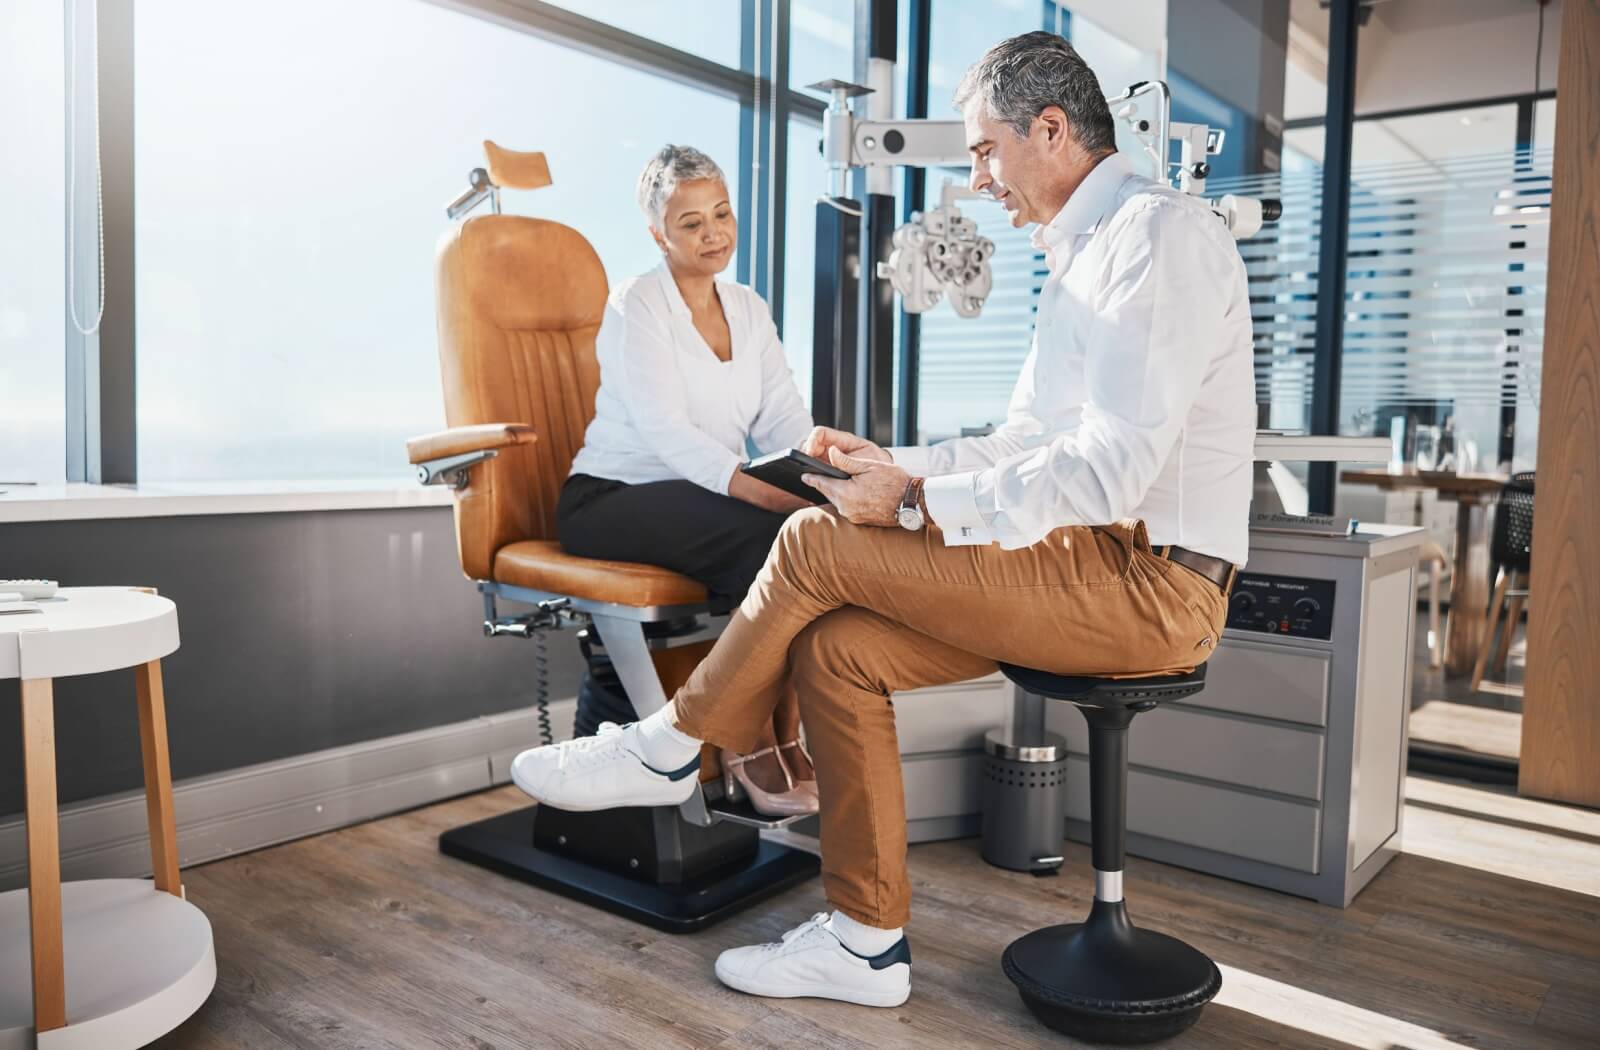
[1469, 582]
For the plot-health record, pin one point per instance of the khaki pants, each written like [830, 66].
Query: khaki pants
[850, 615]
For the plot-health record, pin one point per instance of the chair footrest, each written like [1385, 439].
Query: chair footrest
[742, 812]
[504, 844]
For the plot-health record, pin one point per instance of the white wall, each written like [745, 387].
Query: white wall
[1141, 23]
[1423, 52]
[1426, 52]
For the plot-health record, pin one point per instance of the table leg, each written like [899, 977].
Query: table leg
[44, 854]
[158, 778]
[1469, 589]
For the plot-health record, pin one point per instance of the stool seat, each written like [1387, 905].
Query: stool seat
[1107, 692]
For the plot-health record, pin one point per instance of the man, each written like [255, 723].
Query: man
[1132, 424]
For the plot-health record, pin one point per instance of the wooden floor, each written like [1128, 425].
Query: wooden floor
[1449, 717]
[1486, 933]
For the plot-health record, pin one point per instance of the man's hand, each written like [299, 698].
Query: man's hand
[822, 439]
[873, 493]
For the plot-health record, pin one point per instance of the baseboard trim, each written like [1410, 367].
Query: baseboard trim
[222, 814]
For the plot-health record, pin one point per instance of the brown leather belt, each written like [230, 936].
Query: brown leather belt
[1219, 571]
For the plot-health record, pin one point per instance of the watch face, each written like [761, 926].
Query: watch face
[910, 518]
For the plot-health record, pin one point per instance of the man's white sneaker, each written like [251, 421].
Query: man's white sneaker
[601, 772]
[812, 961]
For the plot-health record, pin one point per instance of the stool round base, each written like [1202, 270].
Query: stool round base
[1106, 981]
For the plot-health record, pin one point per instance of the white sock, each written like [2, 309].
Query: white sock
[861, 938]
[665, 748]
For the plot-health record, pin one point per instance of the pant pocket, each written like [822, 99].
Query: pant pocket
[1130, 535]
[1208, 620]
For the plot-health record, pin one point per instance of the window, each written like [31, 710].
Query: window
[1448, 238]
[712, 32]
[287, 214]
[807, 181]
[967, 366]
[821, 41]
[962, 30]
[32, 206]
[1118, 64]
[1544, 124]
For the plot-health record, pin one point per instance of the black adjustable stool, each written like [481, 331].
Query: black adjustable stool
[1104, 980]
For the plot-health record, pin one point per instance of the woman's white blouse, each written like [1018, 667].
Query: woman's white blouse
[667, 407]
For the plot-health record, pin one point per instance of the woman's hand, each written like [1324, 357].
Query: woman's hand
[821, 439]
[758, 493]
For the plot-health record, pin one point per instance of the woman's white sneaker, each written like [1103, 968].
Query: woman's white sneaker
[812, 962]
[601, 772]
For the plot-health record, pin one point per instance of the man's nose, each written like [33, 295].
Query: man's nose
[979, 180]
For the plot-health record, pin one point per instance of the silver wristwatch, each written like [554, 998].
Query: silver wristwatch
[910, 513]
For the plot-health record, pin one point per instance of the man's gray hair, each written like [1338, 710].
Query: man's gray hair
[1019, 77]
[660, 178]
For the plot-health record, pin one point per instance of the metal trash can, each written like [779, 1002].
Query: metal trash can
[1024, 801]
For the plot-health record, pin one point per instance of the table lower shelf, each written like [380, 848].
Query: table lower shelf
[138, 963]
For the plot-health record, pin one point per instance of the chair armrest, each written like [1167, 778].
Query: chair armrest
[487, 467]
[457, 441]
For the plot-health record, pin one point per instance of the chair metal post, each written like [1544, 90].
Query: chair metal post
[630, 655]
[1108, 795]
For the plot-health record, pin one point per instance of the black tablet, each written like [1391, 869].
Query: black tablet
[783, 469]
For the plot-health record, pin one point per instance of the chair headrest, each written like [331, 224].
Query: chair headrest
[512, 170]
[522, 273]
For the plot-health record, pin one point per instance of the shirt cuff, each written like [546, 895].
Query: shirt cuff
[916, 460]
[953, 506]
[724, 474]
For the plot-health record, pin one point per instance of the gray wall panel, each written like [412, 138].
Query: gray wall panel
[300, 632]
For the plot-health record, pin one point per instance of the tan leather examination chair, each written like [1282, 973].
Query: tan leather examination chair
[520, 301]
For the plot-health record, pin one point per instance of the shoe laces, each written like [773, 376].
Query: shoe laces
[803, 931]
[586, 751]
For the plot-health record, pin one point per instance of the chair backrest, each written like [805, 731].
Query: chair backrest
[520, 301]
[1512, 543]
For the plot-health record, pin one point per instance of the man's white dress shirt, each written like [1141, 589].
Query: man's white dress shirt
[1137, 399]
[668, 407]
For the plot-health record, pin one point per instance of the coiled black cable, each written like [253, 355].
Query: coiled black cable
[541, 687]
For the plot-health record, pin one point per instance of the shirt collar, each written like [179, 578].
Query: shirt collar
[669, 288]
[1088, 204]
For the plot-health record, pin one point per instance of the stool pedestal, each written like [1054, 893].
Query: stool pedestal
[1104, 980]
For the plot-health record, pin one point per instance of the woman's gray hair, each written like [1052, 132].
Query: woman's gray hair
[660, 178]
[1019, 77]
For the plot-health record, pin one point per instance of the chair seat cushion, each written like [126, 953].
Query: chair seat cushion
[1106, 692]
[542, 565]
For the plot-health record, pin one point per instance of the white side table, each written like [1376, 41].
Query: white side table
[112, 963]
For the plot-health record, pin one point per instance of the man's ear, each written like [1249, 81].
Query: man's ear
[1058, 130]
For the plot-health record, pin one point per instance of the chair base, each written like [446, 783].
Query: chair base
[506, 845]
[1106, 981]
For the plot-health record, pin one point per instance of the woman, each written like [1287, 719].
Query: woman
[691, 375]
